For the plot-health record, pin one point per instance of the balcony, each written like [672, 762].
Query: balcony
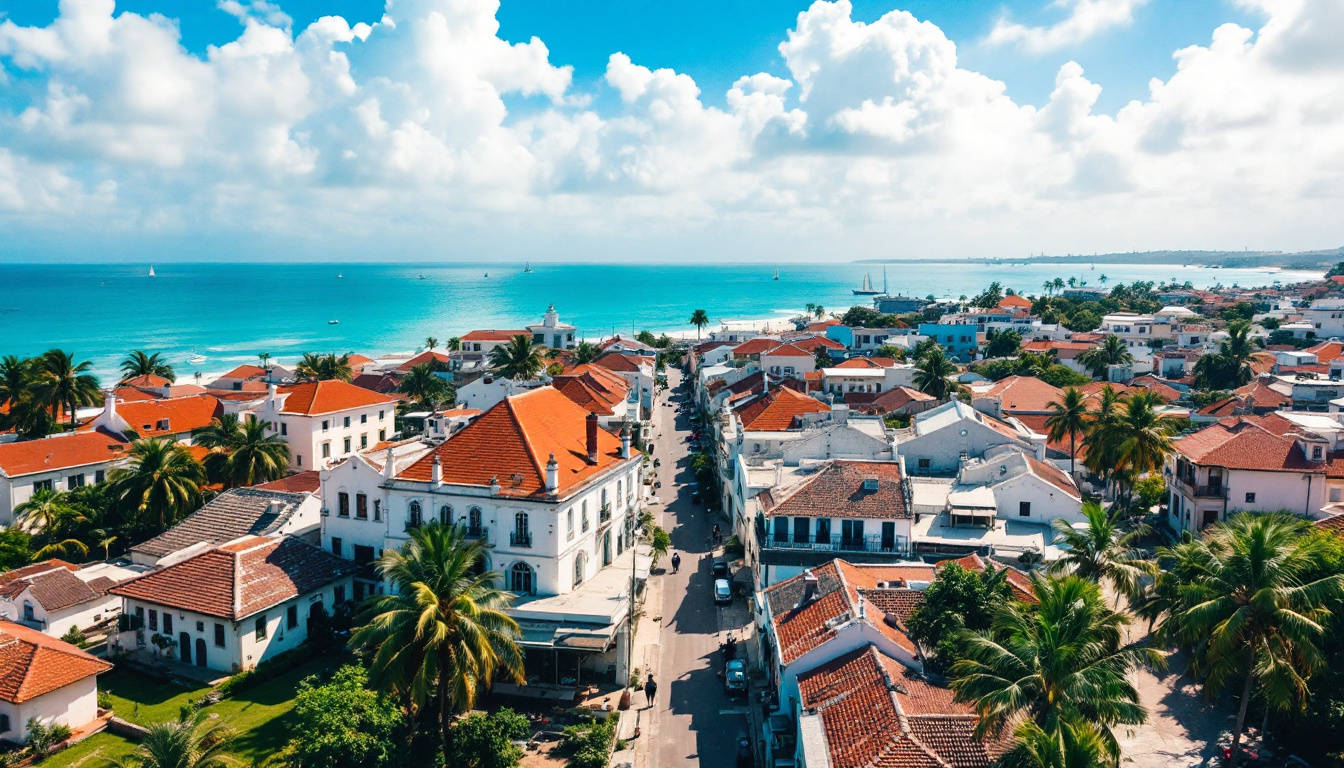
[604, 514]
[477, 532]
[873, 543]
[1202, 491]
[521, 539]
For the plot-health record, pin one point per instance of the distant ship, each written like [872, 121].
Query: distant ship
[527, 268]
[333, 322]
[151, 270]
[867, 289]
[776, 273]
[339, 276]
[422, 277]
[196, 359]
[487, 274]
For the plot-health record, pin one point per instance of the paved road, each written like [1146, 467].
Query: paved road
[695, 723]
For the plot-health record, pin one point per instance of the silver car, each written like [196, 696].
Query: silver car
[723, 591]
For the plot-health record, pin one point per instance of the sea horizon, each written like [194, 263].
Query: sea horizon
[101, 311]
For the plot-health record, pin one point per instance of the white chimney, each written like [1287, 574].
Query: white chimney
[494, 486]
[389, 464]
[625, 442]
[552, 474]
[436, 472]
[110, 405]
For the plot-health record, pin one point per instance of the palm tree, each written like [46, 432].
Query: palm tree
[453, 344]
[1048, 286]
[1059, 662]
[1101, 441]
[1073, 281]
[1068, 418]
[162, 482]
[1140, 436]
[1103, 279]
[315, 367]
[139, 363]
[431, 343]
[442, 632]
[520, 358]
[256, 455]
[424, 385]
[700, 319]
[63, 383]
[584, 352]
[809, 308]
[1104, 551]
[46, 510]
[15, 379]
[1059, 283]
[1111, 352]
[818, 311]
[190, 742]
[1257, 615]
[932, 371]
[1068, 745]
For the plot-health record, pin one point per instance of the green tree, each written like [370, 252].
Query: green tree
[140, 363]
[1068, 418]
[1002, 343]
[162, 482]
[823, 359]
[428, 388]
[15, 549]
[1142, 437]
[344, 724]
[65, 383]
[453, 344]
[585, 352]
[700, 319]
[1060, 661]
[442, 633]
[518, 359]
[431, 343]
[1255, 616]
[862, 317]
[329, 367]
[1338, 269]
[1104, 550]
[256, 455]
[892, 351]
[483, 740]
[194, 742]
[1102, 440]
[1111, 352]
[1230, 367]
[1083, 321]
[990, 297]
[933, 372]
[1067, 745]
[45, 510]
[958, 600]
[818, 312]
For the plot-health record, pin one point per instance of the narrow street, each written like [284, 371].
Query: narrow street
[694, 722]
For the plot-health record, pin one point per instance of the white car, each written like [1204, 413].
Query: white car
[723, 591]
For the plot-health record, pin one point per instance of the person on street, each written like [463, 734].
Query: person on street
[650, 690]
[676, 562]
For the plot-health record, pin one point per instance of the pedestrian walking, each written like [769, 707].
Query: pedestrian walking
[676, 562]
[650, 690]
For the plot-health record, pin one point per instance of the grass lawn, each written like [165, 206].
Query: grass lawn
[258, 715]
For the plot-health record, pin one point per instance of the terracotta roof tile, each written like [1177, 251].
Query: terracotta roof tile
[147, 380]
[513, 441]
[422, 358]
[812, 342]
[156, 418]
[245, 372]
[318, 397]
[840, 490]
[787, 350]
[131, 395]
[239, 579]
[615, 361]
[495, 335]
[61, 452]
[776, 410]
[56, 589]
[302, 482]
[1024, 394]
[1244, 444]
[35, 568]
[33, 664]
[897, 400]
[756, 346]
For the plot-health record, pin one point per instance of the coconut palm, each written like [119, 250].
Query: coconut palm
[23, 410]
[1048, 287]
[1068, 418]
[1257, 614]
[425, 386]
[15, 379]
[442, 632]
[1068, 745]
[700, 319]
[932, 372]
[46, 510]
[453, 344]
[257, 455]
[1059, 283]
[818, 311]
[64, 383]
[520, 358]
[140, 363]
[1061, 661]
[1136, 440]
[190, 742]
[1102, 440]
[315, 367]
[1103, 279]
[1111, 352]
[431, 343]
[1104, 551]
[162, 482]
[584, 352]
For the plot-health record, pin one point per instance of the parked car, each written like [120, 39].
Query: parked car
[723, 592]
[735, 677]
[720, 569]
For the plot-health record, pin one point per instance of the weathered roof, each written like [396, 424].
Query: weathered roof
[55, 589]
[841, 489]
[234, 513]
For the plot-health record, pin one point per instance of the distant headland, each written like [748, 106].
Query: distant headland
[1227, 259]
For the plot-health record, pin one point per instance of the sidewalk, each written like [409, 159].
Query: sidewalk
[647, 636]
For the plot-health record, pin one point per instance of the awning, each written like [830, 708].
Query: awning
[538, 634]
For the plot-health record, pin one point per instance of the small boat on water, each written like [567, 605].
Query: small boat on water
[527, 268]
[422, 277]
[151, 270]
[776, 273]
[867, 288]
[196, 359]
[487, 274]
[339, 276]
[333, 322]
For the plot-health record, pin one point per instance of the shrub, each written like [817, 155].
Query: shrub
[589, 745]
[43, 737]
[104, 700]
[75, 637]
[267, 670]
[734, 547]
[487, 741]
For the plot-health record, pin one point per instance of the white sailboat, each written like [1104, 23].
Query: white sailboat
[527, 268]
[867, 288]
[151, 270]
[196, 359]
[776, 273]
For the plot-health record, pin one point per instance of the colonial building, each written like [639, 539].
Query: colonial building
[58, 463]
[326, 420]
[45, 680]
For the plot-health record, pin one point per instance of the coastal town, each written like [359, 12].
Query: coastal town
[913, 532]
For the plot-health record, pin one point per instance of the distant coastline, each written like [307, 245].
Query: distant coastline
[1303, 260]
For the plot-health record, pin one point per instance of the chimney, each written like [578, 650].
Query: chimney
[625, 441]
[494, 486]
[810, 582]
[110, 405]
[389, 465]
[436, 471]
[270, 392]
[592, 438]
[552, 474]
[863, 606]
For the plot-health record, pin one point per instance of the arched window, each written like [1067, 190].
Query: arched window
[580, 567]
[446, 515]
[522, 533]
[413, 516]
[474, 519]
[520, 578]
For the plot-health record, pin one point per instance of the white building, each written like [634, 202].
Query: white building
[554, 495]
[638, 372]
[866, 375]
[58, 463]
[233, 514]
[1326, 317]
[1025, 489]
[45, 680]
[788, 361]
[176, 418]
[327, 420]
[939, 440]
[550, 332]
[54, 596]
[232, 607]
[486, 392]
[476, 346]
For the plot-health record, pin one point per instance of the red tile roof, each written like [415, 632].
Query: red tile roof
[892, 401]
[35, 568]
[33, 664]
[595, 388]
[1154, 384]
[1244, 444]
[776, 410]
[1326, 350]
[239, 579]
[840, 489]
[55, 589]
[131, 394]
[302, 482]
[756, 346]
[495, 335]
[615, 361]
[422, 358]
[147, 380]
[513, 441]
[60, 452]
[244, 372]
[812, 342]
[1010, 302]
[318, 397]
[1024, 394]
[156, 418]
[1018, 581]
[1266, 397]
[787, 350]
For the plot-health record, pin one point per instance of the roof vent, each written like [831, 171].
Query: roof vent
[836, 621]
[870, 484]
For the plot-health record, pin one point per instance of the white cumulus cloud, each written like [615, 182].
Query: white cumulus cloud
[1085, 19]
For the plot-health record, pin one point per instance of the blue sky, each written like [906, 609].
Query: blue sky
[718, 41]
[735, 129]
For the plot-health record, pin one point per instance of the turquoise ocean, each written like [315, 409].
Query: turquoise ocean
[231, 312]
